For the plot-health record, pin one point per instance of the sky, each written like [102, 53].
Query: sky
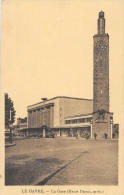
[47, 50]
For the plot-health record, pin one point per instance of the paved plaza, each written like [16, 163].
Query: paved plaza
[62, 161]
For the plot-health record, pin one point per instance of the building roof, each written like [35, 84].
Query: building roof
[62, 97]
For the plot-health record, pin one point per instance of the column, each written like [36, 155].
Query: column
[59, 133]
[41, 117]
[44, 121]
[32, 118]
[78, 132]
[28, 120]
[35, 118]
[51, 116]
[44, 132]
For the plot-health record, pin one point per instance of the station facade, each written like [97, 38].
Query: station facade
[64, 116]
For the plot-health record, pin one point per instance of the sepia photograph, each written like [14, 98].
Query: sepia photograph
[62, 97]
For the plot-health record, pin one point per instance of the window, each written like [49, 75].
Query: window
[111, 118]
[67, 122]
[81, 120]
[73, 121]
[89, 119]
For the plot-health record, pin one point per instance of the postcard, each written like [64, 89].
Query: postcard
[62, 97]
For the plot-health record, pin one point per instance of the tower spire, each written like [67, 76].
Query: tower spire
[101, 23]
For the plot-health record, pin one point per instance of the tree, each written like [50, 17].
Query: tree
[9, 111]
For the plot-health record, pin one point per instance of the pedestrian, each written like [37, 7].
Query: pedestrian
[95, 135]
[105, 135]
[53, 135]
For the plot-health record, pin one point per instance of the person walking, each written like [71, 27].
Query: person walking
[95, 135]
[105, 135]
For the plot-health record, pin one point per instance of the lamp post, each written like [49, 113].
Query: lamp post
[44, 132]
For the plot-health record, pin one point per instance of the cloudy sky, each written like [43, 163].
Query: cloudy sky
[47, 50]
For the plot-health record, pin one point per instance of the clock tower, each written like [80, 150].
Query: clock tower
[101, 123]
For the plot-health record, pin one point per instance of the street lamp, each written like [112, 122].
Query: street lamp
[44, 133]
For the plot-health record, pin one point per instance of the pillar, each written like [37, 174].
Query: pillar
[44, 132]
[111, 129]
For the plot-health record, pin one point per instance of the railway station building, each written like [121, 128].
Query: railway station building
[63, 116]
